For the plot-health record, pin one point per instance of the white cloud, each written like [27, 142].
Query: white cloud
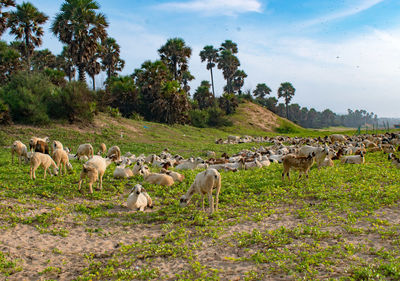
[215, 7]
[355, 8]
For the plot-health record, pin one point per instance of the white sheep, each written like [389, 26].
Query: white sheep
[122, 172]
[114, 150]
[95, 168]
[56, 145]
[44, 160]
[204, 183]
[102, 149]
[354, 159]
[139, 199]
[84, 150]
[60, 156]
[320, 153]
[20, 149]
[190, 164]
[155, 178]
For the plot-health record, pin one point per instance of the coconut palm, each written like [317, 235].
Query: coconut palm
[286, 91]
[80, 27]
[238, 81]
[110, 60]
[261, 91]
[25, 23]
[229, 45]
[93, 67]
[43, 59]
[4, 15]
[175, 54]
[203, 96]
[210, 55]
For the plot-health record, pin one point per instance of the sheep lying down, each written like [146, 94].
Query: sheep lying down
[139, 199]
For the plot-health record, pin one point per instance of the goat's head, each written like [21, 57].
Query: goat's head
[183, 201]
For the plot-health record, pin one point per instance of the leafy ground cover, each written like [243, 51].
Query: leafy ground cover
[341, 224]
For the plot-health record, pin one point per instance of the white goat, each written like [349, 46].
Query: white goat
[44, 160]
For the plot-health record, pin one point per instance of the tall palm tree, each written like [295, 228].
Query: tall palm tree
[286, 91]
[175, 54]
[210, 55]
[229, 64]
[43, 59]
[203, 96]
[65, 63]
[110, 60]
[93, 67]
[261, 91]
[25, 23]
[4, 15]
[229, 45]
[80, 27]
[238, 81]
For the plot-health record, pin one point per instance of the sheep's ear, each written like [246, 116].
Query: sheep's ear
[143, 190]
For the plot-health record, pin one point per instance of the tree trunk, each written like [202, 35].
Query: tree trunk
[94, 83]
[81, 71]
[28, 59]
[212, 82]
[287, 111]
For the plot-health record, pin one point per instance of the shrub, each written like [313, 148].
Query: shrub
[199, 118]
[5, 117]
[216, 118]
[25, 95]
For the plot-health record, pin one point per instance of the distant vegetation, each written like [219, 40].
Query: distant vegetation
[37, 85]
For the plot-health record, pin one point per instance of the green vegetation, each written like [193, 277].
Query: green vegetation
[340, 224]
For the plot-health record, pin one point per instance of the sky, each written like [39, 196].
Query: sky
[338, 54]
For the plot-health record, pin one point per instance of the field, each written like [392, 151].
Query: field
[341, 224]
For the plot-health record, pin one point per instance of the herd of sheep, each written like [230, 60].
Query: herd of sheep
[294, 153]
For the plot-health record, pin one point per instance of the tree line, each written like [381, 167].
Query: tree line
[37, 85]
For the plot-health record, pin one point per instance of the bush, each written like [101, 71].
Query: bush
[25, 95]
[216, 118]
[74, 102]
[199, 118]
[5, 117]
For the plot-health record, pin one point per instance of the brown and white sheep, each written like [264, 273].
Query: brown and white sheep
[204, 183]
[114, 150]
[155, 178]
[102, 149]
[354, 159]
[176, 176]
[42, 147]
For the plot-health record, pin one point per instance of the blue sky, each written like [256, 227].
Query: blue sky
[338, 54]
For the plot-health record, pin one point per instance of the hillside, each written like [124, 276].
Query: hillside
[142, 136]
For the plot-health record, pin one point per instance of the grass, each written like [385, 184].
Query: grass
[341, 224]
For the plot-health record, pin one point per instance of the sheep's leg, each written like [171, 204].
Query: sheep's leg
[90, 187]
[45, 170]
[65, 168]
[80, 183]
[142, 209]
[216, 200]
[202, 201]
[31, 172]
[211, 202]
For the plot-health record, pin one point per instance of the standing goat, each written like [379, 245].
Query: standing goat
[294, 162]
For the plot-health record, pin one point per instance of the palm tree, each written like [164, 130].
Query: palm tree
[229, 64]
[25, 25]
[203, 96]
[175, 54]
[238, 81]
[110, 60]
[4, 15]
[286, 91]
[93, 67]
[10, 62]
[229, 45]
[43, 59]
[65, 63]
[261, 91]
[80, 27]
[210, 55]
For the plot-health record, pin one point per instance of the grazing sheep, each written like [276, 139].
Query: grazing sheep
[204, 183]
[354, 159]
[294, 162]
[190, 164]
[327, 162]
[210, 154]
[102, 149]
[395, 160]
[60, 156]
[20, 149]
[56, 145]
[388, 148]
[320, 153]
[33, 141]
[44, 160]
[95, 168]
[121, 172]
[42, 147]
[154, 178]
[114, 150]
[338, 138]
[176, 176]
[84, 150]
[139, 199]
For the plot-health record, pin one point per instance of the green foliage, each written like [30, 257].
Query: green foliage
[25, 95]
[199, 118]
[228, 103]
[5, 117]
[122, 94]
[9, 62]
[56, 76]
[216, 118]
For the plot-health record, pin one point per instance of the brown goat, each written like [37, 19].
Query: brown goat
[294, 162]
